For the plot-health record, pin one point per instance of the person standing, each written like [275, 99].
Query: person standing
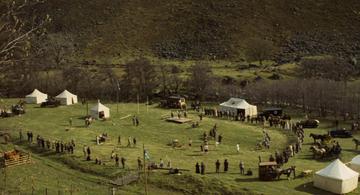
[220, 137]
[226, 165]
[129, 142]
[197, 168]
[242, 168]
[117, 164]
[123, 162]
[238, 148]
[134, 120]
[84, 150]
[119, 140]
[169, 164]
[134, 142]
[217, 165]
[139, 164]
[88, 153]
[161, 164]
[137, 121]
[20, 135]
[202, 168]
[97, 140]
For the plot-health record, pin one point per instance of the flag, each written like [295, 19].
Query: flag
[146, 154]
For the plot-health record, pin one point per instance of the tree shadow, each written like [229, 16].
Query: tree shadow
[248, 179]
[310, 189]
[195, 154]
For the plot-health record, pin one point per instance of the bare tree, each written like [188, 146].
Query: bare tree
[16, 29]
[140, 79]
[199, 82]
[259, 50]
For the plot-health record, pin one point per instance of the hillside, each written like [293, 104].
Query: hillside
[209, 29]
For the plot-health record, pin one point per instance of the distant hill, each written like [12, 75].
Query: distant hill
[209, 29]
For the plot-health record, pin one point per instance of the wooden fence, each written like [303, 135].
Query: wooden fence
[23, 158]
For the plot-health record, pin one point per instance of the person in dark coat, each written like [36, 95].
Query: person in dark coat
[88, 151]
[220, 138]
[134, 142]
[271, 158]
[197, 168]
[226, 165]
[117, 160]
[123, 162]
[242, 168]
[137, 121]
[202, 168]
[217, 164]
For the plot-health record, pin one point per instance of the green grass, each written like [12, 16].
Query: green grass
[155, 134]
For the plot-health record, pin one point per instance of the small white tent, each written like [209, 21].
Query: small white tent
[67, 98]
[36, 97]
[100, 111]
[336, 178]
[355, 164]
[239, 106]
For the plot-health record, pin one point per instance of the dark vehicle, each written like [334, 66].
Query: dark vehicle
[271, 112]
[50, 103]
[342, 133]
[174, 102]
[310, 123]
[267, 171]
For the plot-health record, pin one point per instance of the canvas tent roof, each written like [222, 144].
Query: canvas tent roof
[356, 160]
[337, 170]
[36, 93]
[99, 107]
[236, 103]
[65, 94]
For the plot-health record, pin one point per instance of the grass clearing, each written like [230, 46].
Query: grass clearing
[155, 134]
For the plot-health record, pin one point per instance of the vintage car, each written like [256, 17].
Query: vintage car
[342, 133]
[175, 101]
[50, 103]
[310, 123]
[267, 112]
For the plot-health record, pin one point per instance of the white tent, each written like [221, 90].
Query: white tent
[239, 106]
[355, 164]
[36, 97]
[336, 178]
[100, 111]
[67, 98]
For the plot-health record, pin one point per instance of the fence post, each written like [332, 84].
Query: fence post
[46, 191]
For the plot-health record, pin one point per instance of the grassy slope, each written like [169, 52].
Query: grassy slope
[122, 29]
[155, 134]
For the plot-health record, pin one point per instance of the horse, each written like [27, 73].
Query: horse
[320, 137]
[286, 172]
[357, 143]
[318, 151]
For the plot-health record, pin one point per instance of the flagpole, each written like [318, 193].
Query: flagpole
[138, 106]
[145, 177]
[117, 97]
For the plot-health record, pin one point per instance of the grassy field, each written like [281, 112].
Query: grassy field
[71, 172]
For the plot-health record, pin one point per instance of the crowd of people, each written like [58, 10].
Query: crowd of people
[212, 112]
[58, 145]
